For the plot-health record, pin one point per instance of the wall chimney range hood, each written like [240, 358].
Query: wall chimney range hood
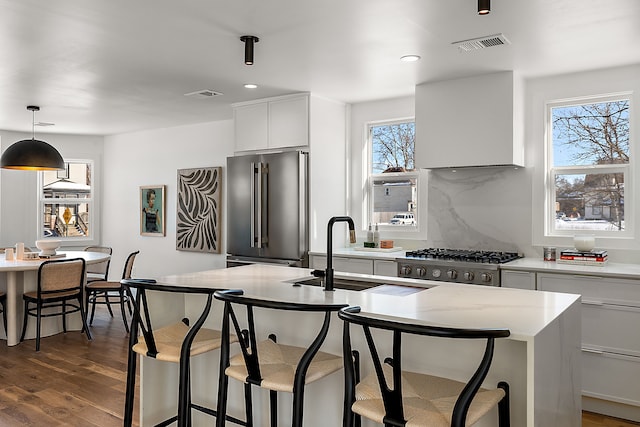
[470, 122]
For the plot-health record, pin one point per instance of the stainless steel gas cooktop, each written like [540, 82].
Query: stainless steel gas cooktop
[455, 265]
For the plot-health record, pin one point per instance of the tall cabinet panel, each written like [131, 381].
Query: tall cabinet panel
[251, 126]
[306, 122]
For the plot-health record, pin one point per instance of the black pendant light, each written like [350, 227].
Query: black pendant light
[484, 7]
[248, 48]
[32, 154]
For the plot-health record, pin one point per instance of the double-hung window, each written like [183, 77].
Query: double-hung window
[589, 166]
[66, 202]
[392, 182]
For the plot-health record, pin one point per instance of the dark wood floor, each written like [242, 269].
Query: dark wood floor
[70, 382]
[73, 382]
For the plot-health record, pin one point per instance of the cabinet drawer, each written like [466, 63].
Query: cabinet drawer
[353, 265]
[611, 327]
[518, 279]
[603, 289]
[344, 264]
[385, 268]
[611, 377]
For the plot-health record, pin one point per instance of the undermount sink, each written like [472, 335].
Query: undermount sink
[351, 285]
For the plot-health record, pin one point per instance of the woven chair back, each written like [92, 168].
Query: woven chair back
[128, 266]
[61, 275]
[101, 268]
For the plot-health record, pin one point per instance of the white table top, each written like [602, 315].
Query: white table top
[524, 313]
[26, 265]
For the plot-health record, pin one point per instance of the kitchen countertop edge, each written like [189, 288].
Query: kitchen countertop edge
[611, 269]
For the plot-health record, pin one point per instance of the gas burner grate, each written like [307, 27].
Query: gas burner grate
[464, 255]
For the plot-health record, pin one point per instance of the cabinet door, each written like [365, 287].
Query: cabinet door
[353, 265]
[343, 264]
[251, 126]
[518, 279]
[385, 268]
[318, 262]
[289, 122]
[610, 343]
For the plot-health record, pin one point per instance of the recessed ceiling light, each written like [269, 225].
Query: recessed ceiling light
[409, 58]
[250, 86]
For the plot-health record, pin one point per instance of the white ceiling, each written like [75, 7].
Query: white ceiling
[114, 66]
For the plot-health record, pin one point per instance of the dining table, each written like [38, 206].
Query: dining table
[21, 276]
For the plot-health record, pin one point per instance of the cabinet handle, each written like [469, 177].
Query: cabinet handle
[591, 302]
[585, 277]
[592, 350]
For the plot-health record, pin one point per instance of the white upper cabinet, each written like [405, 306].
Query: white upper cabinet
[251, 126]
[272, 123]
[473, 121]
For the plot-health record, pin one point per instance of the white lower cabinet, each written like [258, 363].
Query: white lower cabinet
[361, 265]
[343, 264]
[383, 267]
[610, 338]
[518, 279]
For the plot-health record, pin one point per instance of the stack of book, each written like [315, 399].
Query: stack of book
[574, 256]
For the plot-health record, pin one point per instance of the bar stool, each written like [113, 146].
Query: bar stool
[394, 397]
[268, 364]
[177, 343]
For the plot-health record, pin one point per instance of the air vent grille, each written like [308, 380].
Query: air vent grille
[481, 42]
[204, 94]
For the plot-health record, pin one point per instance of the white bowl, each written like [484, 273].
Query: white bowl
[47, 247]
[584, 243]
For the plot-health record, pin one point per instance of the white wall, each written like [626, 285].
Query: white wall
[18, 196]
[499, 209]
[153, 158]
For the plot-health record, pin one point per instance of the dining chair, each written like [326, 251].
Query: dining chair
[60, 284]
[396, 397]
[3, 305]
[108, 292]
[100, 270]
[177, 342]
[269, 364]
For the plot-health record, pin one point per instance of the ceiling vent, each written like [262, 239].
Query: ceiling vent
[481, 42]
[204, 94]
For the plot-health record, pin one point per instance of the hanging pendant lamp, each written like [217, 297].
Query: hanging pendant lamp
[32, 154]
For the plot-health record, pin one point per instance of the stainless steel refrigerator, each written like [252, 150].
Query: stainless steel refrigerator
[267, 209]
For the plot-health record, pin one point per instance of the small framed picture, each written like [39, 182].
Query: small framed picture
[152, 210]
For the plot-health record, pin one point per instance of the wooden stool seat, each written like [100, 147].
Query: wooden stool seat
[169, 341]
[427, 400]
[393, 396]
[278, 365]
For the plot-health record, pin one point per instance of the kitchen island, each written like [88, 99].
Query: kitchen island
[540, 359]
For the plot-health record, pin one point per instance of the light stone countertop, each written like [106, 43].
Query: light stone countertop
[525, 313]
[351, 252]
[610, 269]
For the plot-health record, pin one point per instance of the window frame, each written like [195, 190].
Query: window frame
[551, 172]
[406, 231]
[91, 202]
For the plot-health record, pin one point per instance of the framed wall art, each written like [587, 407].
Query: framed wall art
[152, 207]
[198, 210]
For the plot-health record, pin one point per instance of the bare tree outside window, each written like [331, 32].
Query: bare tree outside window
[393, 147]
[393, 182]
[590, 160]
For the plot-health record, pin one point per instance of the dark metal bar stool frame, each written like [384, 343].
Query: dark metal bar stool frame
[392, 398]
[248, 344]
[142, 322]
